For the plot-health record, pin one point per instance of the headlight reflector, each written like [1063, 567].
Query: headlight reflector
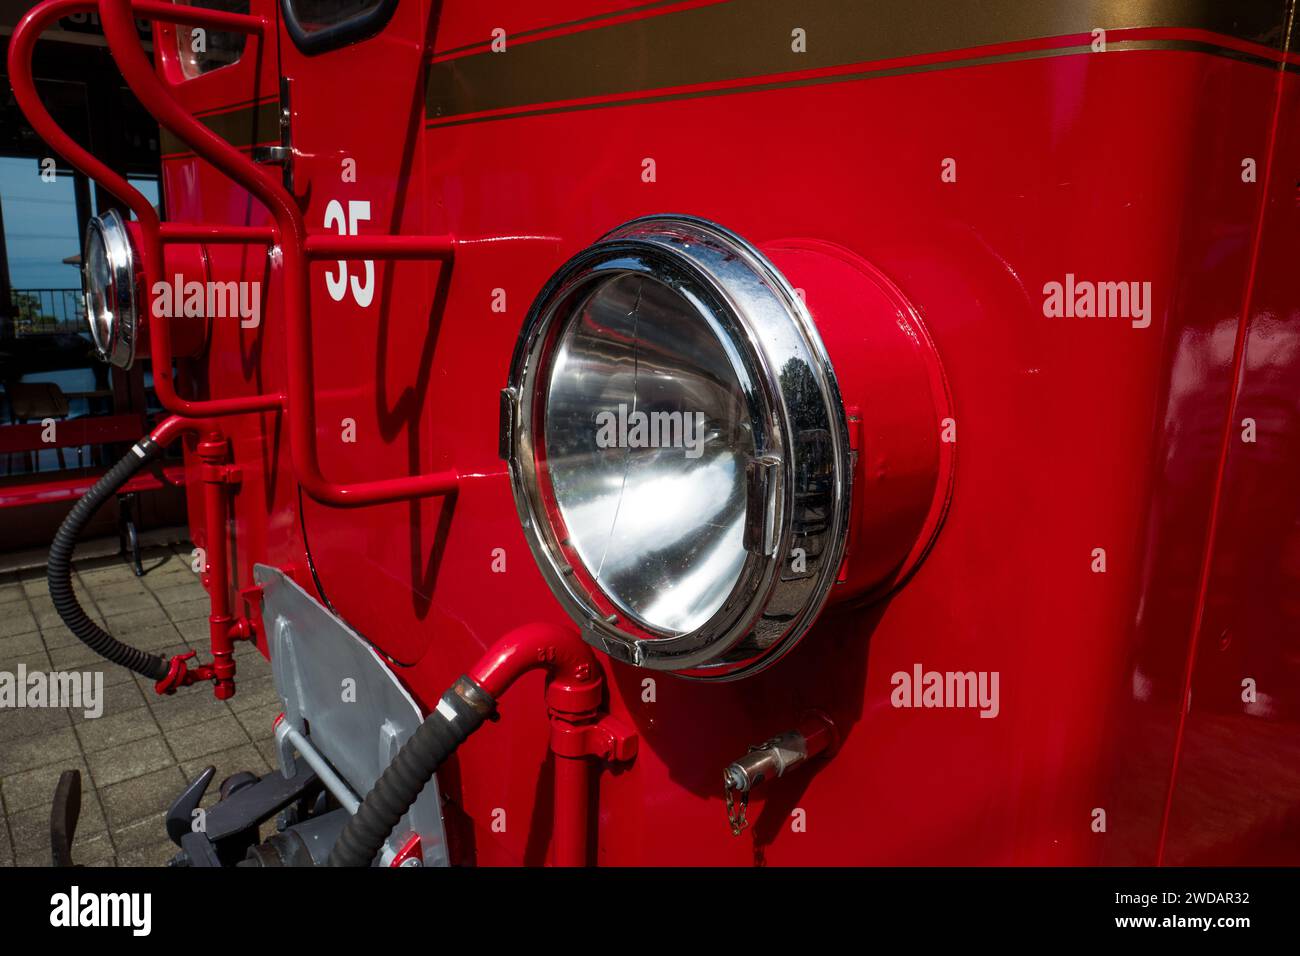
[654, 496]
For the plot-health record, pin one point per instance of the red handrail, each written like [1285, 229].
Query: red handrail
[21, 45]
[290, 243]
[117, 17]
[205, 232]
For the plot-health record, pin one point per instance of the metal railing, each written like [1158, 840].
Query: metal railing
[47, 311]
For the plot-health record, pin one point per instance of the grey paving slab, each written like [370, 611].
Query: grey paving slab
[118, 698]
[31, 721]
[156, 854]
[30, 752]
[139, 797]
[141, 832]
[32, 788]
[113, 730]
[209, 737]
[30, 828]
[17, 619]
[129, 760]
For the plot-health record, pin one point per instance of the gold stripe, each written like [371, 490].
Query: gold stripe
[751, 39]
[595, 18]
[249, 126]
[1183, 45]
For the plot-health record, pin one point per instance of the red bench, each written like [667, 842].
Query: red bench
[71, 484]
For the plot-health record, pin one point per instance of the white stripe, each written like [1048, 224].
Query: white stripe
[446, 710]
[138, 450]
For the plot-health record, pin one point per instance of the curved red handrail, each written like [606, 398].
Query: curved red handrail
[21, 45]
[291, 246]
[117, 17]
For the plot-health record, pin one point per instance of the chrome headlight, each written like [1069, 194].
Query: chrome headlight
[678, 449]
[108, 284]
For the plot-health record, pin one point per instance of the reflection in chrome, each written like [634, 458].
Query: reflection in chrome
[645, 521]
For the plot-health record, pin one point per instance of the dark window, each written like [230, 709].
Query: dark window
[320, 25]
[317, 14]
[202, 50]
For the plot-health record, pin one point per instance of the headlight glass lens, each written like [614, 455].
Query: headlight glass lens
[98, 285]
[646, 438]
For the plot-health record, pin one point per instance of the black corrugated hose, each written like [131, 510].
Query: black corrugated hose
[459, 713]
[58, 568]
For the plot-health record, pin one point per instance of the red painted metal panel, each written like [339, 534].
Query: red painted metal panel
[1074, 434]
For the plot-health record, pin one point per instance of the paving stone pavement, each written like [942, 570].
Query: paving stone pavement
[141, 750]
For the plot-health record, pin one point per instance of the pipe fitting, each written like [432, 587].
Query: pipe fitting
[568, 661]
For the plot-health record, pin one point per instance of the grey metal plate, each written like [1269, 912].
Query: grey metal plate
[343, 697]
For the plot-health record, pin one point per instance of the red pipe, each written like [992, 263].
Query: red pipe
[224, 628]
[199, 16]
[216, 232]
[567, 660]
[172, 427]
[572, 808]
[117, 17]
[217, 475]
[579, 732]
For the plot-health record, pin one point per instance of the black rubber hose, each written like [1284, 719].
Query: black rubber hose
[459, 713]
[58, 568]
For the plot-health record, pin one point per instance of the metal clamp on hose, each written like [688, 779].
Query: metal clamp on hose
[180, 675]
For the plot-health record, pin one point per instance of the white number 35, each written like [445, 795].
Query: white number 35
[358, 211]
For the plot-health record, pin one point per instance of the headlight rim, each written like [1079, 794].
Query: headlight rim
[110, 230]
[721, 268]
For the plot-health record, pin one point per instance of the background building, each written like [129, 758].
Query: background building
[48, 369]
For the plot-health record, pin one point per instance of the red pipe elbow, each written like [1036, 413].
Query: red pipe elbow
[574, 681]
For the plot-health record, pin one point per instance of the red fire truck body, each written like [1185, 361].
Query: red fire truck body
[1107, 534]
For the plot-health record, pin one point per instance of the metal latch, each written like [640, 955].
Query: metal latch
[762, 476]
[272, 155]
[506, 425]
[771, 759]
[281, 155]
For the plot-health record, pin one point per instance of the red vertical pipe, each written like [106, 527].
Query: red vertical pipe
[215, 475]
[574, 689]
[572, 811]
